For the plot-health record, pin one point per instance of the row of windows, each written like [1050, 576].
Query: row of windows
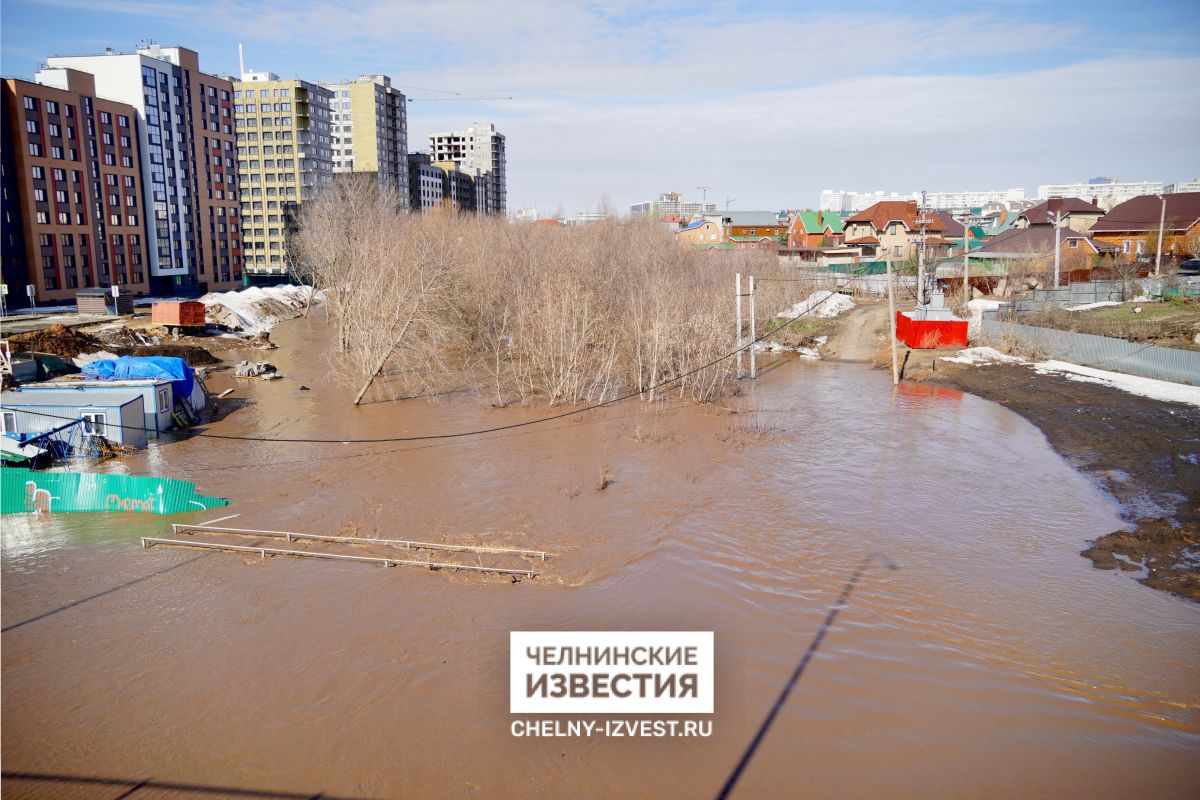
[267, 122]
[238, 94]
[265, 108]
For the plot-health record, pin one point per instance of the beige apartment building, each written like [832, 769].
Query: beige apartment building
[284, 156]
[369, 129]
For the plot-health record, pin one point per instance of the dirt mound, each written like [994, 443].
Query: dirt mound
[194, 355]
[56, 340]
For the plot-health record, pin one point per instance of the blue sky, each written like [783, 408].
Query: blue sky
[767, 102]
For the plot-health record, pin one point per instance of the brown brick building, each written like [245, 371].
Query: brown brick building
[189, 166]
[74, 208]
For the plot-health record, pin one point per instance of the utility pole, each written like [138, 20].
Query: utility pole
[1057, 218]
[892, 317]
[753, 333]
[737, 288]
[966, 261]
[921, 255]
[1162, 223]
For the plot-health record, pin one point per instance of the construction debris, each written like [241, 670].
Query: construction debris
[258, 369]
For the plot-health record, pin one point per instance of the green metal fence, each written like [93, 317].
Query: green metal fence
[25, 492]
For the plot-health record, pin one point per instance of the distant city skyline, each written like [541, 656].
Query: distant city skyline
[621, 101]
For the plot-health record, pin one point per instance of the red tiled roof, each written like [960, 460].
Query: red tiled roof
[1059, 205]
[1142, 214]
[885, 211]
[864, 240]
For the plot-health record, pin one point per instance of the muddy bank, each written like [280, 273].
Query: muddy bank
[1143, 452]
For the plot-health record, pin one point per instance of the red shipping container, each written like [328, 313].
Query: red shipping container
[930, 334]
[184, 313]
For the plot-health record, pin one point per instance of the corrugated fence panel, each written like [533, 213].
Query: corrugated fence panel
[1105, 352]
[49, 492]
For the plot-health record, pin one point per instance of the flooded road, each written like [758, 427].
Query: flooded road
[993, 662]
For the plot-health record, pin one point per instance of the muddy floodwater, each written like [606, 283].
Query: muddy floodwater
[994, 661]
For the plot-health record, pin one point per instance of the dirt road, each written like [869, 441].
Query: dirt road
[857, 336]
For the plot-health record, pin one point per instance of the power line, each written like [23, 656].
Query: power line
[497, 428]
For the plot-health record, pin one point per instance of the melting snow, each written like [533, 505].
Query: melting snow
[256, 309]
[823, 304]
[983, 355]
[1146, 387]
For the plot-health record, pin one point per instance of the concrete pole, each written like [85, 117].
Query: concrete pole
[921, 257]
[1162, 223]
[753, 333]
[966, 264]
[1057, 246]
[892, 318]
[740, 342]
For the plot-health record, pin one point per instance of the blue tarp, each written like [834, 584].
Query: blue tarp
[176, 370]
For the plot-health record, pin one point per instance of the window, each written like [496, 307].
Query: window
[35, 149]
[8, 420]
[105, 118]
[38, 173]
[31, 103]
[31, 125]
[51, 107]
[123, 121]
[164, 399]
[95, 423]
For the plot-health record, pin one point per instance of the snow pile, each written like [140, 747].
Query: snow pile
[1087, 306]
[87, 358]
[983, 355]
[823, 304]
[256, 309]
[1146, 387]
[810, 353]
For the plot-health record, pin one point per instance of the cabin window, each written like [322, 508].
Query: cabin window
[94, 422]
[163, 398]
[8, 422]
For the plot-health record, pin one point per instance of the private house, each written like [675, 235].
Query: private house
[1037, 242]
[1080, 215]
[815, 229]
[1132, 227]
[748, 223]
[891, 229]
[701, 232]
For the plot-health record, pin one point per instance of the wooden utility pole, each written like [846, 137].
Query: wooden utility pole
[892, 318]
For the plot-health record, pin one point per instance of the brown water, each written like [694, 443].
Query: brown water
[995, 662]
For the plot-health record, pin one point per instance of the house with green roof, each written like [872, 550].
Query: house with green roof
[815, 229]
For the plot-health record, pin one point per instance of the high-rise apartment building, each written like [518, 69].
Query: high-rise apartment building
[284, 156]
[1105, 192]
[965, 200]
[73, 204]
[840, 201]
[433, 185]
[189, 174]
[369, 128]
[672, 204]
[478, 151]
